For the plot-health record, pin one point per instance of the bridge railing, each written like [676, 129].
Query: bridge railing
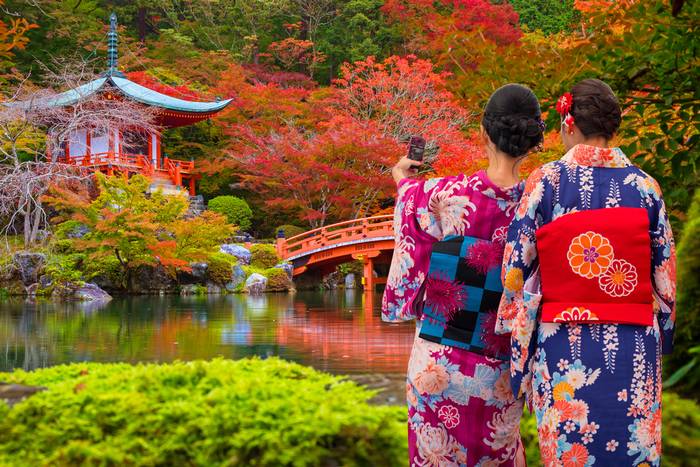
[336, 234]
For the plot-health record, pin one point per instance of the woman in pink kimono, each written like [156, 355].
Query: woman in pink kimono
[460, 405]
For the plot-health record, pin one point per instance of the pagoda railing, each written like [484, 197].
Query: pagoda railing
[141, 163]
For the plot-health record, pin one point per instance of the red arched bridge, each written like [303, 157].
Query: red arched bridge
[370, 240]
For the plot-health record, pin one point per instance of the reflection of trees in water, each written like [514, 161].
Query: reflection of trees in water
[27, 331]
[327, 330]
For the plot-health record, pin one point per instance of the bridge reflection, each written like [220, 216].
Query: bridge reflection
[357, 337]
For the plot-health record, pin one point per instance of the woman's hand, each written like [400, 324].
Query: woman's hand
[404, 169]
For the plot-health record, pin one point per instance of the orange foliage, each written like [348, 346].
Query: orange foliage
[12, 34]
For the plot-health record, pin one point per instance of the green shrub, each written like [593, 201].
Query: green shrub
[248, 412]
[688, 301]
[681, 432]
[235, 209]
[65, 268]
[220, 265]
[62, 230]
[354, 267]
[290, 230]
[263, 256]
[277, 280]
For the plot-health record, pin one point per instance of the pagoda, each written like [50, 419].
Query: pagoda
[105, 153]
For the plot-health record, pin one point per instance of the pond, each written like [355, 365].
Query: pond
[339, 332]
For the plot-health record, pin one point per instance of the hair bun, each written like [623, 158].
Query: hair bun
[512, 120]
[595, 109]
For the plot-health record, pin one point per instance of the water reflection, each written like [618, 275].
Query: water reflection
[338, 332]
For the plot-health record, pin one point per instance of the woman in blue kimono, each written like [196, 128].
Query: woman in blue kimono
[589, 278]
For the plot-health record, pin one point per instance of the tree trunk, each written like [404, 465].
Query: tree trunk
[36, 223]
[141, 24]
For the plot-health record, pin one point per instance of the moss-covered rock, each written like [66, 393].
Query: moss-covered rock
[278, 280]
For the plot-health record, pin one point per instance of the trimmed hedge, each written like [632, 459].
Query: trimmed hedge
[245, 412]
[235, 209]
[220, 265]
[277, 280]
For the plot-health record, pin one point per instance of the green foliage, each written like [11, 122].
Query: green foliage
[680, 432]
[277, 280]
[354, 267]
[654, 68]
[235, 209]
[220, 265]
[263, 256]
[358, 30]
[688, 299]
[548, 16]
[290, 230]
[246, 412]
[65, 268]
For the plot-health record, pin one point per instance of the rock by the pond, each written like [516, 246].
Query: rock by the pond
[213, 288]
[330, 281]
[237, 278]
[199, 270]
[242, 254]
[196, 275]
[189, 289]
[350, 281]
[32, 289]
[256, 283]
[288, 268]
[14, 393]
[152, 279]
[45, 281]
[91, 292]
[29, 265]
[79, 231]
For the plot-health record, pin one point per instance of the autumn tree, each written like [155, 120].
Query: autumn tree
[132, 227]
[334, 173]
[649, 57]
[13, 36]
[32, 127]
[405, 96]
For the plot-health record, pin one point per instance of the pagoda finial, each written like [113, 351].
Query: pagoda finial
[112, 54]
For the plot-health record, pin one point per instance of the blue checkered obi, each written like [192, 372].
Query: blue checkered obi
[461, 296]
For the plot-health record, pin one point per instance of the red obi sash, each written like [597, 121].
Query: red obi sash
[596, 267]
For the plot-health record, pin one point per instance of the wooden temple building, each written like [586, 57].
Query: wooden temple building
[105, 152]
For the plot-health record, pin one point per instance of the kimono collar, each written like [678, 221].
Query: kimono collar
[511, 193]
[591, 156]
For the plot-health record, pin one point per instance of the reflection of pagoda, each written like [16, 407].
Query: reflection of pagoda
[104, 151]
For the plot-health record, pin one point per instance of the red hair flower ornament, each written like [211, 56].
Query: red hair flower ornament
[564, 108]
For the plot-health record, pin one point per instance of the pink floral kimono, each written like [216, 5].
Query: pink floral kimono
[460, 406]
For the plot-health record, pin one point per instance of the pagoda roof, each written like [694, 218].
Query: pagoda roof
[137, 93]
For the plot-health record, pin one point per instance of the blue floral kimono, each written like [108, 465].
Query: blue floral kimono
[595, 388]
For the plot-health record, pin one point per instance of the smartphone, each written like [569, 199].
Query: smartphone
[416, 148]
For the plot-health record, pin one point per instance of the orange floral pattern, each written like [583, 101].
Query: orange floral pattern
[590, 254]
[619, 280]
[575, 315]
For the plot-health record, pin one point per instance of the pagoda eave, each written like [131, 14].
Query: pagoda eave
[172, 118]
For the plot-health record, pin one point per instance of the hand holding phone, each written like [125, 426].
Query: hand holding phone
[416, 148]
